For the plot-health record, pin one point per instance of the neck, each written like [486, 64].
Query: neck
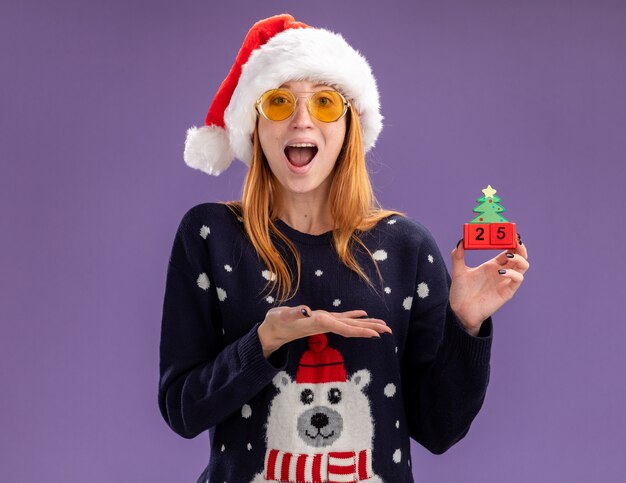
[307, 213]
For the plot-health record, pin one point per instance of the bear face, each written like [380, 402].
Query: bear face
[320, 425]
[322, 417]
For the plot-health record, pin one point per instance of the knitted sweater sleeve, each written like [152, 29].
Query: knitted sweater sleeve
[202, 380]
[445, 370]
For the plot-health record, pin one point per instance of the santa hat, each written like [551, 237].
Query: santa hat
[277, 50]
[320, 363]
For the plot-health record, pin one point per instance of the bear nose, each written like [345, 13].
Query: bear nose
[319, 420]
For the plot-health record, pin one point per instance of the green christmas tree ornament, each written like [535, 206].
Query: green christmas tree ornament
[490, 230]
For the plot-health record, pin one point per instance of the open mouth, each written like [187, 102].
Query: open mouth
[300, 154]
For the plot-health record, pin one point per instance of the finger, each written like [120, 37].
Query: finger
[324, 322]
[376, 324]
[458, 259]
[359, 315]
[510, 260]
[501, 258]
[519, 264]
[279, 309]
[350, 313]
[521, 248]
[354, 315]
[515, 277]
[305, 311]
[372, 320]
[294, 313]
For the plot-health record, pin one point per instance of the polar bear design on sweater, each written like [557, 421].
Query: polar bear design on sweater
[320, 427]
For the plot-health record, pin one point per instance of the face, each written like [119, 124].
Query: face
[302, 151]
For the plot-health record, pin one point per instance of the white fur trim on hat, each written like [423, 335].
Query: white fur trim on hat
[207, 148]
[302, 54]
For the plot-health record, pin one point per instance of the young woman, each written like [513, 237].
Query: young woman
[311, 332]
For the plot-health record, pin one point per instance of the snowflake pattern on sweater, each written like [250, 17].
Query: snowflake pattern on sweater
[425, 381]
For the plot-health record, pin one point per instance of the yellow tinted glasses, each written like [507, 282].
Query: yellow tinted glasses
[280, 104]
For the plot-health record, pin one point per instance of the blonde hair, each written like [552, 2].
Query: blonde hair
[353, 207]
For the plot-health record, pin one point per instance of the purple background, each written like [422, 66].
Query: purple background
[95, 100]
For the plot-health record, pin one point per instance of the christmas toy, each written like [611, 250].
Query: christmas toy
[490, 230]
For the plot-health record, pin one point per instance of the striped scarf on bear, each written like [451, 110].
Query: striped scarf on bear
[333, 467]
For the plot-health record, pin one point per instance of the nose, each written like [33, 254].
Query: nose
[319, 420]
[301, 117]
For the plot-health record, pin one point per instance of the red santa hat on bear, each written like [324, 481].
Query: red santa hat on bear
[277, 50]
[321, 363]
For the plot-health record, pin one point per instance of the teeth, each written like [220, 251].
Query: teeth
[302, 145]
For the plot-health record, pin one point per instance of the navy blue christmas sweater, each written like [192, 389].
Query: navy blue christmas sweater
[325, 408]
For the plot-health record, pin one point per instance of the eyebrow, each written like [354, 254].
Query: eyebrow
[284, 85]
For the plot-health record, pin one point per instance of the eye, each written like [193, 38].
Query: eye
[278, 97]
[334, 395]
[306, 396]
[324, 99]
[279, 100]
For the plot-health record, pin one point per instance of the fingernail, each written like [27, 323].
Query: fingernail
[501, 272]
[305, 313]
[519, 239]
[509, 255]
[458, 243]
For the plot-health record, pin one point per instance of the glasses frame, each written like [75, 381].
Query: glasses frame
[259, 108]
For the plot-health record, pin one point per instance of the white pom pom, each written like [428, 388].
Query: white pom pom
[207, 148]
